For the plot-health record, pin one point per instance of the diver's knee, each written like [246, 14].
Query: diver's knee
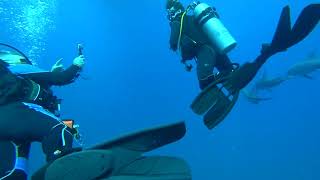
[57, 142]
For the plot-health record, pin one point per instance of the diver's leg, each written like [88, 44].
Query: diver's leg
[30, 122]
[206, 60]
[224, 64]
[58, 143]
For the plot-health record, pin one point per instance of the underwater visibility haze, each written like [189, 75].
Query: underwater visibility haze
[131, 81]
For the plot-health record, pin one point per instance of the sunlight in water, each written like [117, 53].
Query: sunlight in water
[28, 23]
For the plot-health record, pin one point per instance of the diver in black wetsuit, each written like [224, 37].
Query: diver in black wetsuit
[29, 110]
[203, 37]
[193, 43]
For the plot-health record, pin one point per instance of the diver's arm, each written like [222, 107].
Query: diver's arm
[57, 78]
[174, 37]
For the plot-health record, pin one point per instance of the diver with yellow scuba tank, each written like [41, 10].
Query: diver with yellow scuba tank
[197, 33]
[29, 111]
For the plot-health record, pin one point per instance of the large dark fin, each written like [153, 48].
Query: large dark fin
[285, 36]
[282, 34]
[306, 22]
[148, 139]
[219, 111]
[124, 150]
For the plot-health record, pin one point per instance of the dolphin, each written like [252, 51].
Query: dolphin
[304, 68]
[266, 83]
[251, 96]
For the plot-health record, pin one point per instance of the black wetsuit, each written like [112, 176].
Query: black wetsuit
[24, 121]
[195, 44]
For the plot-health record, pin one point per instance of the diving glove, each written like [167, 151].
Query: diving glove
[79, 61]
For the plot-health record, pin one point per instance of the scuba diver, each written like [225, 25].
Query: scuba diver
[193, 43]
[29, 111]
[198, 33]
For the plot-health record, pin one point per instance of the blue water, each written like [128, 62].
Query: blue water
[133, 81]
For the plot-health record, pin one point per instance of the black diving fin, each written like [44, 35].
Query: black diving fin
[283, 31]
[148, 139]
[306, 22]
[285, 36]
[241, 77]
[219, 111]
[123, 157]
[215, 103]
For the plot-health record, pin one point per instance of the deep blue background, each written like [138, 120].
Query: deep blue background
[135, 81]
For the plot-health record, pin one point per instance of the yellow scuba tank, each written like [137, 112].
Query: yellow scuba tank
[211, 25]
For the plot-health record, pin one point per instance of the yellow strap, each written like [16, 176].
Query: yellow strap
[181, 27]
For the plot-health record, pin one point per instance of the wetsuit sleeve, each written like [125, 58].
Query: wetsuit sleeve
[174, 37]
[56, 78]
